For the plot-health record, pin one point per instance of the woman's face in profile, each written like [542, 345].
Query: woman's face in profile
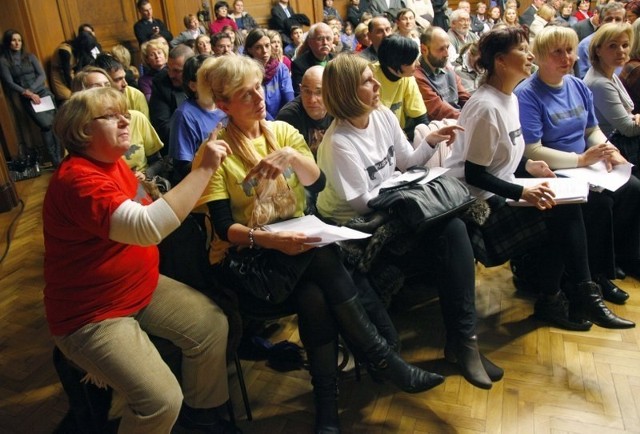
[369, 89]
[109, 133]
[247, 103]
[519, 60]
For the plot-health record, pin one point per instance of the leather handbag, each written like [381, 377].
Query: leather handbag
[268, 274]
[421, 205]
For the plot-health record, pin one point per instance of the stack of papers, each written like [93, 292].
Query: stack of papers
[567, 190]
[597, 176]
[312, 226]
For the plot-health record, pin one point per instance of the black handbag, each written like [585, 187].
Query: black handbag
[421, 205]
[267, 274]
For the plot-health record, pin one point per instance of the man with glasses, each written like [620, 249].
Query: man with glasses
[460, 32]
[307, 112]
[315, 50]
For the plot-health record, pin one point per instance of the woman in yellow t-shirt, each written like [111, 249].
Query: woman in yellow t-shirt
[262, 182]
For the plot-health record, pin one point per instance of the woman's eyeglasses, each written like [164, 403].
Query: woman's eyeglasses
[114, 117]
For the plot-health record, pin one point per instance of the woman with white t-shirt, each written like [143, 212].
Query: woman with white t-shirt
[488, 155]
[361, 149]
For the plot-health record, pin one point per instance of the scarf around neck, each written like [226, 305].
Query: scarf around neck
[270, 69]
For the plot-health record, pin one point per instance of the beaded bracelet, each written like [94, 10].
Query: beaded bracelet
[252, 240]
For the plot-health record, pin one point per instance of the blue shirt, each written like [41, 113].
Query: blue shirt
[278, 91]
[557, 117]
[191, 124]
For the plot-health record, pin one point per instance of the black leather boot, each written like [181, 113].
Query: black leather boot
[356, 327]
[324, 377]
[588, 304]
[465, 353]
[610, 291]
[555, 309]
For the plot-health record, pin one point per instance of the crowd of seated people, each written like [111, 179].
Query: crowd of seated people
[237, 114]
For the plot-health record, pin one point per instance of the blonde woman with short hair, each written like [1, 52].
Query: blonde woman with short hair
[262, 182]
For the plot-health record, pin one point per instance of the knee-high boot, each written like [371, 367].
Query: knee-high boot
[355, 325]
[324, 377]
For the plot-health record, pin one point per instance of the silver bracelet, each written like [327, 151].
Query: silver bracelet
[252, 240]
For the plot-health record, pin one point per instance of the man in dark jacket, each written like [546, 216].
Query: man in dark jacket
[148, 26]
[167, 92]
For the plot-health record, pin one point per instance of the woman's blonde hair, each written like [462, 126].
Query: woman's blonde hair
[73, 118]
[604, 34]
[219, 80]
[152, 45]
[340, 82]
[546, 12]
[79, 81]
[272, 34]
[551, 37]
[635, 42]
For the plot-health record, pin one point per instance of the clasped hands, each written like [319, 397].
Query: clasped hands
[605, 152]
[271, 166]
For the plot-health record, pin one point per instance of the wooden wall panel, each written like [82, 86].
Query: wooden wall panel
[176, 11]
[113, 20]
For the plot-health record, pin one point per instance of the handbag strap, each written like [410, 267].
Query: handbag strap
[424, 172]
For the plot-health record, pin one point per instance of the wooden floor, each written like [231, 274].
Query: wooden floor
[555, 381]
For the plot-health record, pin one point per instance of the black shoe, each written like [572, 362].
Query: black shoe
[555, 310]
[610, 291]
[356, 327]
[631, 268]
[404, 376]
[465, 354]
[494, 371]
[590, 306]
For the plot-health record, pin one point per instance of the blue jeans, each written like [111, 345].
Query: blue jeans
[118, 351]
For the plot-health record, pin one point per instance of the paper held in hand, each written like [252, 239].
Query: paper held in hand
[46, 104]
[312, 226]
[567, 190]
[598, 177]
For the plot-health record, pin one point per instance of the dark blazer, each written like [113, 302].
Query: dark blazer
[584, 28]
[278, 20]
[300, 65]
[527, 16]
[144, 29]
[379, 7]
[165, 99]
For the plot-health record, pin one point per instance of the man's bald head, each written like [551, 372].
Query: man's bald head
[311, 93]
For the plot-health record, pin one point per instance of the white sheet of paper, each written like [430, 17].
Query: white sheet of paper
[401, 178]
[313, 226]
[567, 190]
[597, 175]
[45, 105]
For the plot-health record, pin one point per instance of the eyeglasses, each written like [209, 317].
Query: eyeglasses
[310, 92]
[323, 38]
[114, 117]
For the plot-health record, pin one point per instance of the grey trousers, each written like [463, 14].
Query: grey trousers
[118, 351]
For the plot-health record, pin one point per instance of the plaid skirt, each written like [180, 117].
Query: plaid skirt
[509, 231]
